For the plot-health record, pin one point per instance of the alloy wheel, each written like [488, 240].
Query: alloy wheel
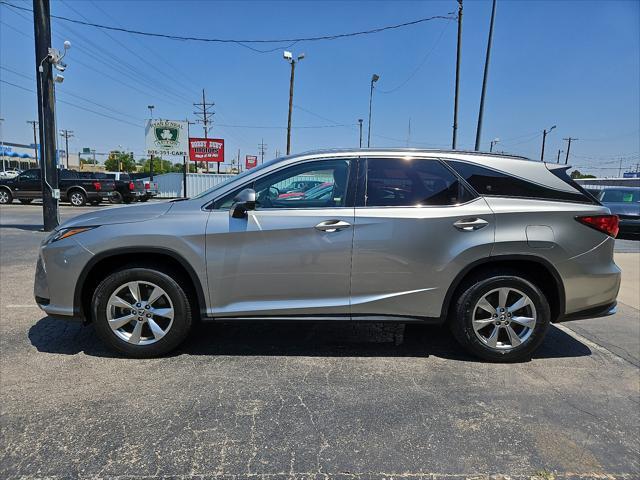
[4, 196]
[140, 312]
[76, 199]
[504, 318]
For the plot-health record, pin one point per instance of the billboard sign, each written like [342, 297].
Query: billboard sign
[166, 137]
[251, 161]
[206, 150]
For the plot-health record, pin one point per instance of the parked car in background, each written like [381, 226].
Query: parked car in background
[495, 247]
[127, 189]
[624, 202]
[300, 186]
[9, 173]
[150, 190]
[77, 188]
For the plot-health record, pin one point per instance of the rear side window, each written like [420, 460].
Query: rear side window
[396, 182]
[489, 182]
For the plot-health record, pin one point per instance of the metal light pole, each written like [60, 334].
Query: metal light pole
[288, 56]
[360, 124]
[484, 79]
[544, 138]
[374, 79]
[151, 107]
[455, 101]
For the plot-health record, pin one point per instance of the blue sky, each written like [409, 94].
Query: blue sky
[571, 64]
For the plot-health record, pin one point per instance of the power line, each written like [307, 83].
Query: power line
[238, 41]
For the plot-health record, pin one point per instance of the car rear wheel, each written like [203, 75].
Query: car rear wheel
[141, 312]
[5, 196]
[77, 198]
[115, 198]
[501, 317]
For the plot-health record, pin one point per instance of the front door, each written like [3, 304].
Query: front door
[416, 228]
[291, 256]
[28, 184]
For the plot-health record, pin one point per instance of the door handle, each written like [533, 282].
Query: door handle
[331, 226]
[470, 224]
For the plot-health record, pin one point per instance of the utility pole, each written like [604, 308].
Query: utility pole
[262, 147]
[409, 133]
[457, 88]
[568, 140]
[205, 116]
[374, 79]
[484, 79]
[544, 138]
[46, 113]
[288, 56]
[559, 152]
[620, 168]
[360, 124]
[494, 142]
[34, 124]
[150, 107]
[66, 134]
[4, 168]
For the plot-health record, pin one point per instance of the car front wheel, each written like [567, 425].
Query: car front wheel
[77, 198]
[501, 317]
[141, 312]
[5, 196]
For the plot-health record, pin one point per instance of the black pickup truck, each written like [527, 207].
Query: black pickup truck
[127, 189]
[75, 188]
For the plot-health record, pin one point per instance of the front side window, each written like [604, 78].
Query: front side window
[398, 182]
[315, 184]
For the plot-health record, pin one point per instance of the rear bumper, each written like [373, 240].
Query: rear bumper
[629, 225]
[593, 312]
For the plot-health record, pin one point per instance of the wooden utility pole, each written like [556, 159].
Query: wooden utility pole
[457, 87]
[568, 140]
[263, 149]
[484, 79]
[205, 116]
[66, 134]
[46, 114]
[34, 124]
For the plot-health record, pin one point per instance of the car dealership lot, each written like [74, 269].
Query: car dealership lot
[310, 401]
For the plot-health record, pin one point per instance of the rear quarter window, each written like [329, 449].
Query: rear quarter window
[490, 182]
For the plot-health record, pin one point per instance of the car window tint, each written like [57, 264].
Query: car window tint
[29, 175]
[487, 181]
[397, 182]
[316, 184]
[620, 195]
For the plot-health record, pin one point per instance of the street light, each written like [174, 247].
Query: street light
[151, 107]
[288, 56]
[544, 138]
[374, 78]
[494, 142]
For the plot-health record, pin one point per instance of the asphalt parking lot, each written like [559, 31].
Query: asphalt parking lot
[357, 401]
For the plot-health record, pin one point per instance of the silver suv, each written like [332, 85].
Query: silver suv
[496, 247]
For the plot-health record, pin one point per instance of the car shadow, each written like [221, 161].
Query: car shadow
[326, 339]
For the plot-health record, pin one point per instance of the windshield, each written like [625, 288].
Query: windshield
[233, 178]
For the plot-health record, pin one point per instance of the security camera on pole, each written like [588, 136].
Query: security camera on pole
[288, 56]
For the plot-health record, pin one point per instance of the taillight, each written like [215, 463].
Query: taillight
[97, 185]
[605, 223]
[132, 186]
[147, 185]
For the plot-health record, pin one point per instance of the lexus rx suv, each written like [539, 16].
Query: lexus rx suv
[496, 247]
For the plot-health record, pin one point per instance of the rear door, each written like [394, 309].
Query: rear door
[416, 227]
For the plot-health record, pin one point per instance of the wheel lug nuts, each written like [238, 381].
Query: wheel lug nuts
[138, 305]
[148, 315]
[147, 307]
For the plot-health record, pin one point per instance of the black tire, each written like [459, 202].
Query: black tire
[462, 312]
[95, 203]
[144, 199]
[26, 201]
[77, 198]
[5, 196]
[127, 200]
[178, 330]
[115, 198]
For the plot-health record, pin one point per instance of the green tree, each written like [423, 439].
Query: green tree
[577, 174]
[120, 161]
[159, 166]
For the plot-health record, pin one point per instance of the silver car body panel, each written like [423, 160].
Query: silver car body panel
[390, 263]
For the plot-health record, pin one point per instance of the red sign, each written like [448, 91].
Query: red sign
[251, 161]
[206, 149]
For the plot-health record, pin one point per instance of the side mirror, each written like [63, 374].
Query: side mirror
[244, 201]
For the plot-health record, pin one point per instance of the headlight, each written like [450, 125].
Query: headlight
[66, 233]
